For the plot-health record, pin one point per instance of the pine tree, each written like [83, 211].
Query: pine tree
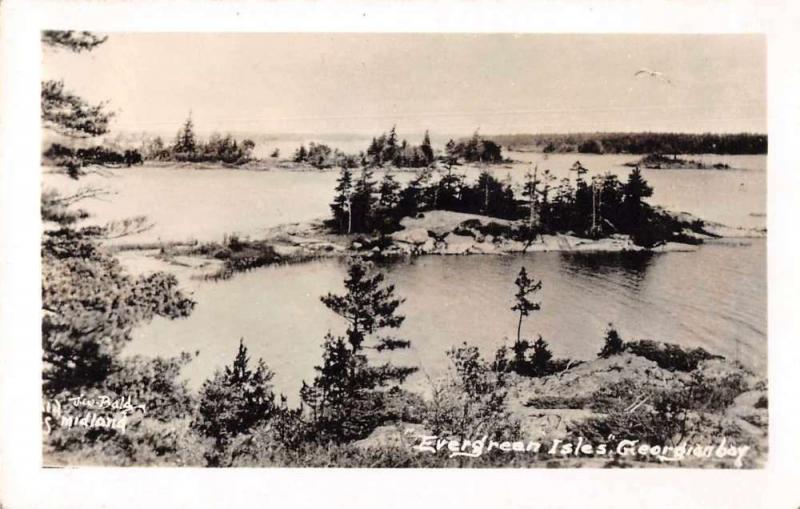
[412, 196]
[300, 154]
[451, 152]
[427, 149]
[579, 170]
[387, 212]
[541, 360]
[345, 395]
[523, 305]
[390, 148]
[72, 40]
[614, 344]
[636, 187]
[90, 304]
[530, 191]
[363, 202]
[341, 206]
[185, 142]
[544, 208]
[633, 191]
[66, 113]
[235, 400]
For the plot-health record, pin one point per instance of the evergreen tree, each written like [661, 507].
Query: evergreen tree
[636, 187]
[66, 113]
[614, 345]
[388, 206]
[542, 359]
[346, 395]
[451, 152]
[579, 170]
[363, 202]
[185, 142]
[523, 305]
[633, 191]
[491, 197]
[76, 42]
[427, 149]
[234, 401]
[610, 200]
[530, 191]
[412, 197]
[342, 201]
[300, 154]
[90, 305]
[547, 181]
[449, 189]
[390, 149]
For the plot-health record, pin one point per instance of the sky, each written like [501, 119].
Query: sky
[449, 83]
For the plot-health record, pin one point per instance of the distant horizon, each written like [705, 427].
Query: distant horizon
[434, 135]
[361, 84]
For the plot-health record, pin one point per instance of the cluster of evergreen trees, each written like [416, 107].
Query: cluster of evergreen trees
[187, 147]
[322, 156]
[593, 208]
[385, 150]
[388, 150]
[475, 149]
[364, 205]
[639, 143]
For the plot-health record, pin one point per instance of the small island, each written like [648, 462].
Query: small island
[664, 162]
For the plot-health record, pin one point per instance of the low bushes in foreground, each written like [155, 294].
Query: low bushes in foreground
[666, 355]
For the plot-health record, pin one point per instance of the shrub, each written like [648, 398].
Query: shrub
[613, 343]
[473, 402]
[669, 356]
[234, 401]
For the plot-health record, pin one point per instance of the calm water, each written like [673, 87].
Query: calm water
[190, 204]
[714, 298]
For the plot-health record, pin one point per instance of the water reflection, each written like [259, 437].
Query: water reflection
[714, 297]
[629, 268]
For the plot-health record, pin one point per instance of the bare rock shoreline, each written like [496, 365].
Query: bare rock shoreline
[441, 232]
[437, 232]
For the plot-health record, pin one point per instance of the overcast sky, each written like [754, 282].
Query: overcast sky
[450, 84]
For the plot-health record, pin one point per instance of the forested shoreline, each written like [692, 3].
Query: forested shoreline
[636, 143]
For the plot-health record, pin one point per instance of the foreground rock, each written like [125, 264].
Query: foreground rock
[628, 397]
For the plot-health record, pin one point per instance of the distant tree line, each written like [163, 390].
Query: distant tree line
[638, 143]
[388, 150]
[187, 147]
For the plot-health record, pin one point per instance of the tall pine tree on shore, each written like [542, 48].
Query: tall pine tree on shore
[342, 201]
[523, 305]
[427, 149]
[346, 397]
[363, 202]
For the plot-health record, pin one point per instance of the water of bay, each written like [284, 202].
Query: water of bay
[713, 298]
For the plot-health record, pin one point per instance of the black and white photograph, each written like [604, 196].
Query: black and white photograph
[394, 254]
[404, 250]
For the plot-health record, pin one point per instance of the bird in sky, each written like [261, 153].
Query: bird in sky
[655, 74]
